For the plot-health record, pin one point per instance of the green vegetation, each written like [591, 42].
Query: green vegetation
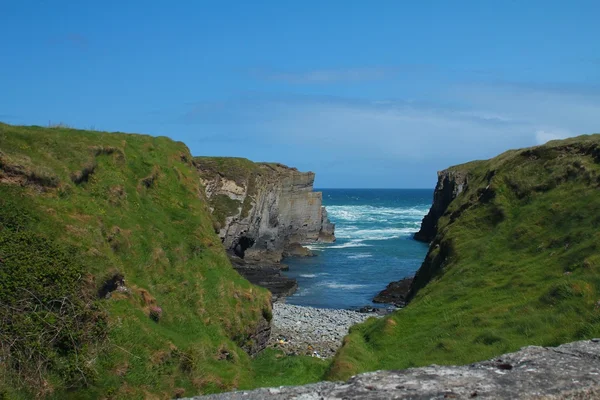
[274, 368]
[235, 169]
[114, 285]
[516, 262]
[79, 209]
[223, 207]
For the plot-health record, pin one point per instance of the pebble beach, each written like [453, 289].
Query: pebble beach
[318, 332]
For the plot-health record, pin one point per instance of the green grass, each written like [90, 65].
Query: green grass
[129, 204]
[516, 262]
[223, 207]
[236, 169]
[273, 368]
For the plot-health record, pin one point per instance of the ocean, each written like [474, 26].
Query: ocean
[374, 246]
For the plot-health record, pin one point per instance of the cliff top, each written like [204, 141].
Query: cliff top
[240, 169]
[582, 141]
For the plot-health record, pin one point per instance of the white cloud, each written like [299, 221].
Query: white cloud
[544, 136]
[411, 139]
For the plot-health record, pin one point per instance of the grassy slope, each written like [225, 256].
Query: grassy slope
[523, 266]
[139, 214]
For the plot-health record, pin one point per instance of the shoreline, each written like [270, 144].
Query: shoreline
[317, 332]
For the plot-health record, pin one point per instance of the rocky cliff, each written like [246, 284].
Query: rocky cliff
[263, 210]
[449, 185]
[570, 371]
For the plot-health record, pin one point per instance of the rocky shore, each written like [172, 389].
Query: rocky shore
[312, 331]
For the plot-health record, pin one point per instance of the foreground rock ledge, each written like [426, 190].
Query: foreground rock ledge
[570, 371]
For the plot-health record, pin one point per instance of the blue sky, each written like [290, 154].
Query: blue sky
[364, 93]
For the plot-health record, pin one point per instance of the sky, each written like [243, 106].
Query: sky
[367, 94]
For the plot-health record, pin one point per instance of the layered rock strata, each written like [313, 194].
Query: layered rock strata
[570, 371]
[263, 212]
[262, 208]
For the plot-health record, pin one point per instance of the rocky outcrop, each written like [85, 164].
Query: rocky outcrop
[395, 293]
[570, 371]
[263, 208]
[451, 182]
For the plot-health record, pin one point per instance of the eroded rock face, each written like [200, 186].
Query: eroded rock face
[449, 185]
[263, 207]
[570, 371]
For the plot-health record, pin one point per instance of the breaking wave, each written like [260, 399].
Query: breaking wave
[359, 256]
[366, 213]
[347, 286]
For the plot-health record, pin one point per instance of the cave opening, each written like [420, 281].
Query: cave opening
[242, 245]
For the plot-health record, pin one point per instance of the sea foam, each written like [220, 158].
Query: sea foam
[359, 256]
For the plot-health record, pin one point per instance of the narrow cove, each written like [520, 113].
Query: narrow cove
[374, 246]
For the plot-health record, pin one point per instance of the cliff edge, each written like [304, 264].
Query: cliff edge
[451, 183]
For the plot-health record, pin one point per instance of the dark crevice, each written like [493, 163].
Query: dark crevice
[242, 245]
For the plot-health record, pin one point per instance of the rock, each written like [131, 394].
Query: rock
[570, 371]
[264, 210]
[326, 235]
[297, 250]
[449, 185]
[395, 293]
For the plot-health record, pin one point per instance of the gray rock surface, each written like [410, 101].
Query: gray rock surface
[570, 371]
[311, 331]
[281, 208]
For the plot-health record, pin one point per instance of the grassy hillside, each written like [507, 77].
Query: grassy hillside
[516, 262]
[80, 210]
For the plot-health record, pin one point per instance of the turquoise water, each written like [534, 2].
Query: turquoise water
[374, 246]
